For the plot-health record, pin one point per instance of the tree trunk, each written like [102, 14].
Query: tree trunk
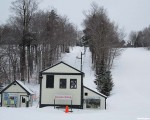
[22, 62]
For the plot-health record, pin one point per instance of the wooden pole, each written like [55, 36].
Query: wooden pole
[54, 103]
[81, 61]
[71, 106]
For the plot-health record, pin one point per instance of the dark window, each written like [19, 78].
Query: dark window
[73, 83]
[62, 83]
[23, 100]
[93, 103]
[86, 94]
[50, 81]
[12, 98]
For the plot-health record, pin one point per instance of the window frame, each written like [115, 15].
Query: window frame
[63, 79]
[23, 100]
[76, 83]
[93, 103]
[50, 81]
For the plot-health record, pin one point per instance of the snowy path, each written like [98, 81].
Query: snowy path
[132, 79]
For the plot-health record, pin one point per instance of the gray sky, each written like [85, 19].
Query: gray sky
[128, 14]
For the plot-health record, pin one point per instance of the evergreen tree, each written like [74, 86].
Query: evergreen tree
[104, 79]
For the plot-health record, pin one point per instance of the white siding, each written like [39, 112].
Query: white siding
[48, 94]
[61, 68]
[15, 88]
[95, 96]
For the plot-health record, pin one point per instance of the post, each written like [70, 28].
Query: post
[71, 105]
[81, 61]
[54, 103]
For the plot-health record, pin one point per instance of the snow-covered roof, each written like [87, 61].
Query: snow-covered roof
[21, 84]
[24, 86]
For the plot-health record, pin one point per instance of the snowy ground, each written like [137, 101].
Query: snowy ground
[130, 99]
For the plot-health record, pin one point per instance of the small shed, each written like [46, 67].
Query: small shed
[94, 99]
[16, 94]
[62, 85]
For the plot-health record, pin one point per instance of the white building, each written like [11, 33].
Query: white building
[16, 94]
[62, 85]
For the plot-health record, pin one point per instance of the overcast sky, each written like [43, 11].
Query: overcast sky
[131, 15]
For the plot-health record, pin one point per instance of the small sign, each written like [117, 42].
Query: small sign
[63, 97]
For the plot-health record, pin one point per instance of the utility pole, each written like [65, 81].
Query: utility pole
[81, 59]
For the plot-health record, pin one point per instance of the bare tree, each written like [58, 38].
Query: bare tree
[12, 52]
[24, 11]
[34, 39]
[140, 38]
[4, 65]
[103, 38]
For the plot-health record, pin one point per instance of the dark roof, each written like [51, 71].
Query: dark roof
[63, 63]
[21, 85]
[96, 92]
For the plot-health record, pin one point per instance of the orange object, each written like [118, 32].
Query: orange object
[67, 109]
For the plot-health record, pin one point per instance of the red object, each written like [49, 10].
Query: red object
[67, 109]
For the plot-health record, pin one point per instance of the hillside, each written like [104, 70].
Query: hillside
[131, 94]
[72, 59]
[130, 99]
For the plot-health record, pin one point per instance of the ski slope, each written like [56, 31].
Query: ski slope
[130, 99]
[73, 59]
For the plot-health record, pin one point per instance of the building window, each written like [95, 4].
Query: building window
[63, 83]
[50, 81]
[73, 83]
[93, 103]
[23, 100]
[86, 94]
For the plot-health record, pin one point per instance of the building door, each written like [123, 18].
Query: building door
[23, 101]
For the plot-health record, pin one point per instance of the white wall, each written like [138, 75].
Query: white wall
[48, 94]
[94, 95]
[15, 88]
[61, 68]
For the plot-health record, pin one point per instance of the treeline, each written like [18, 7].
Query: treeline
[104, 40]
[32, 40]
[140, 38]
